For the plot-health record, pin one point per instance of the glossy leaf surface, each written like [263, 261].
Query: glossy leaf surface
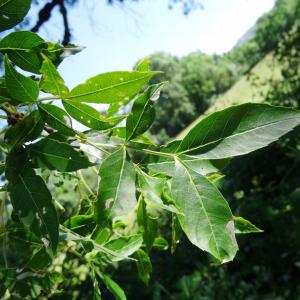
[238, 130]
[110, 87]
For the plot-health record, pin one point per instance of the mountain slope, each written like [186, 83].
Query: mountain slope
[250, 88]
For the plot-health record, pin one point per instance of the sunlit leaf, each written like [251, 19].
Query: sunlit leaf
[117, 186]
[110, 87]
[238, 130]
[207, 219]
[51, 81]
[242, 226]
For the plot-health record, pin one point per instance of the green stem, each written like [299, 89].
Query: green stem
[3, 226]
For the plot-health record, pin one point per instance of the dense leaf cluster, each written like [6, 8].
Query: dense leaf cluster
[134, 182]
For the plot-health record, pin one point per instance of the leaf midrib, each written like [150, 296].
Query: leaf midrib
[37, 208]
[232, 136]
[203, 207]
[103, 89]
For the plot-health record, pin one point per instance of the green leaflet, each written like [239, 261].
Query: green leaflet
[21, 48]
[113, 287]
[54, 155]
[124, 245]
[148, 225]
[51, 81]
[12, 12]
[152, 189]
[32, 202]
[26, 130]
[243, 226]
[165, 165]
[144, 265]
[4, 95]
[238, 130]
[57, 118]
[89, 116]
[117, 186]
[110, 87]
[143, 65]
[141, 116]
[21, 88]
[207, 220]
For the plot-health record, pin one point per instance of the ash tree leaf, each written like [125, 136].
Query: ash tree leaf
[116, 196]
[144, 265]
[57, 118]
[89, 116]
[55, 155]
[20, 87]
[148, 225]
[110, 87]
[166, 166]
[141, 116]
[207, 220]
[143, 65]
[26, 130]
[124, 245]
[32, 202]
[238, 130]
[4, 95]
[152, 189]
[243, 226]
[12, 12]
[160, 244]
[112, 286]
[51, 81]
[22, 49]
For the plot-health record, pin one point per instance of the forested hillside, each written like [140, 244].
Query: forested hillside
[199, 81]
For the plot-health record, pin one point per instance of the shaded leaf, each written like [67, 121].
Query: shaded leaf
[55, 155]
[160, 244]
[57, 118]
[26, 130]
[207, 220]
[12, 12]
[148, 225]
[112, 286]
[20, 87]
[32, 202]
[144, 265]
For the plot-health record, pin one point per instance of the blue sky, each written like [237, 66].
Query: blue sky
[117, 37]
